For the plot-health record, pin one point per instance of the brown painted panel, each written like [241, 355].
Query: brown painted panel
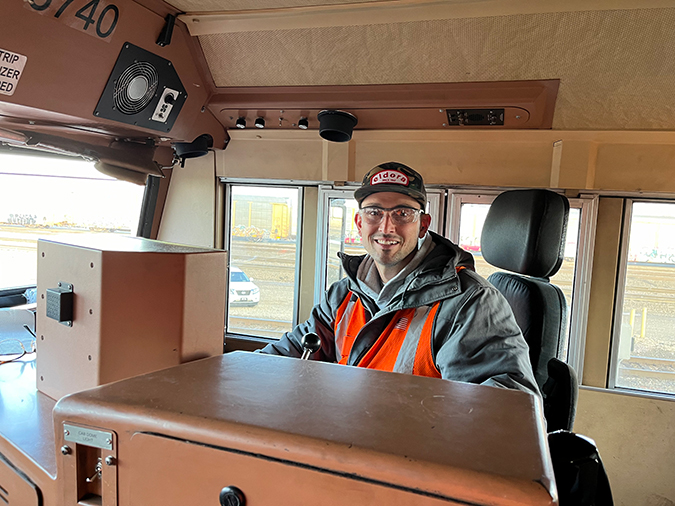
[170, 471]
[16, 487]
[136, 309]
[630, 167]
[67, 69]
[528, 104]
[467, 442]
[603, 283]
[26, 427]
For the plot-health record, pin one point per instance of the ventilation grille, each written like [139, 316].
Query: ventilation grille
[143, 90]
[135, 88]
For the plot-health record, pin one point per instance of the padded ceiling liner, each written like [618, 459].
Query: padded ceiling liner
[617, 67]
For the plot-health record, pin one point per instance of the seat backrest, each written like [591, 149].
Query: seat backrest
[541, 313]
[524, 233]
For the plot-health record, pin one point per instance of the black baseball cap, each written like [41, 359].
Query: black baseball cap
[392, 177]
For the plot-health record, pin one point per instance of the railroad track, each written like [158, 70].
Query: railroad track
[259, 326]
[649, 367]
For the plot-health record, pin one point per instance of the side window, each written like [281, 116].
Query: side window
[263, 242]
[43, 197]
[467, 215]
[338, 233]
[643, 355]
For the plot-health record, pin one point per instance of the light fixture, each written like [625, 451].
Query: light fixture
[336, 126]
[303, 123]
[241, 122]
[260, 122]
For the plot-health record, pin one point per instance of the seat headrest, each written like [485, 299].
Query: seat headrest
[525, 231]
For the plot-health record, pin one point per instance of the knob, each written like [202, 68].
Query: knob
[259, 122]
[241, 122]
[311, 343]
[169, 98]
[303, 123]
[232, 496]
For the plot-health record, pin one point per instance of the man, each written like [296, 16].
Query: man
[413, 304]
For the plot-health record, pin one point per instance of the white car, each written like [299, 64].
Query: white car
[243, 292]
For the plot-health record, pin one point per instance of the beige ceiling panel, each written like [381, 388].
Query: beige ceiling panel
[617, 67]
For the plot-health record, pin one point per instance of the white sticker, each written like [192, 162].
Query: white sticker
[11, 68]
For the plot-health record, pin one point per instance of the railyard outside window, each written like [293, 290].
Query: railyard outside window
[643, 354]
[263, 240]
[467, 212]
[46, 197]
[338, 233]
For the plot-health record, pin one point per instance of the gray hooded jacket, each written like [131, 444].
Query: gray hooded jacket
[475, 337]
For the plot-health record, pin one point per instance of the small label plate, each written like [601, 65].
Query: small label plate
[88, 437]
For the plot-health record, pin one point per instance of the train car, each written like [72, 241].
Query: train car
[177, 182]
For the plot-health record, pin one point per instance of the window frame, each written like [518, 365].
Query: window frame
[246, 341]
[619, 297]
[588, 204]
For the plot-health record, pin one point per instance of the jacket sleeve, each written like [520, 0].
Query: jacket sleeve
[321, 321]
[480, 342]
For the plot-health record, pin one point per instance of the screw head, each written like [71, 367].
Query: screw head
[110, 460]
[65, 450]
[66, 432]
[108, 441]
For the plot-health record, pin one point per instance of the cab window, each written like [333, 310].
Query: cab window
[263, 239]
[46, 197]
[643, 355]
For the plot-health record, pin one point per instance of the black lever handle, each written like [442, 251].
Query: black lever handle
[311, 343]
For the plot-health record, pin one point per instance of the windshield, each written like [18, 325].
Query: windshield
[236, 277]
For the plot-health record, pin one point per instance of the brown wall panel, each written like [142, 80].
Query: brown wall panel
[67, 68]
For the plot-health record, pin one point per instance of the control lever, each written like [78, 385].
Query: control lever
[97, 472]
[311, 343]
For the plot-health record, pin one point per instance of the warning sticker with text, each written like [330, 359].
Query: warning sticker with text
[11, 68]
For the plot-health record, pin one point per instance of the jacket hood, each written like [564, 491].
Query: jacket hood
[434, 279]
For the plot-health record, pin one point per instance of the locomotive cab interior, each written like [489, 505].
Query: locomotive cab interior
[131, 399]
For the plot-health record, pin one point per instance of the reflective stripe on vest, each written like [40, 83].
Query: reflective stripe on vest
[404, 346]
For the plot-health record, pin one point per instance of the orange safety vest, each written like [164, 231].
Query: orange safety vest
[384, 353]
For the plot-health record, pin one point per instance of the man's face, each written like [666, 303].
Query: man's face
[391, 244]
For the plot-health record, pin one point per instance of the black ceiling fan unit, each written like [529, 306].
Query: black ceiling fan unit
[143, 90]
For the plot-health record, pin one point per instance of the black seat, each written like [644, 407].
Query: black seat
[524, 233]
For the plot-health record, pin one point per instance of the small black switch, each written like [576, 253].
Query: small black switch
[60, 303]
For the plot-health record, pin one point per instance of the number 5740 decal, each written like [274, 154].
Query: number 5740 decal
[95, 17]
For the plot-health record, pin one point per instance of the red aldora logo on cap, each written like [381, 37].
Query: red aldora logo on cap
[390, 176]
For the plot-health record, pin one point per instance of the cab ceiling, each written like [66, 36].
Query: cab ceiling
[616, 65]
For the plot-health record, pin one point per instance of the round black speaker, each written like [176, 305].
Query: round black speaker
[336, 126]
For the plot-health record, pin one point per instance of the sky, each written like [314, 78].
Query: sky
[56, 190]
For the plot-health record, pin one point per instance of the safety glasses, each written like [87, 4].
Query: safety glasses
[398, 215]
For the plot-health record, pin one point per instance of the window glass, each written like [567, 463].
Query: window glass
[263, 256]
[42, 197]
[471, 221]
[343, 236]
[645, 355]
